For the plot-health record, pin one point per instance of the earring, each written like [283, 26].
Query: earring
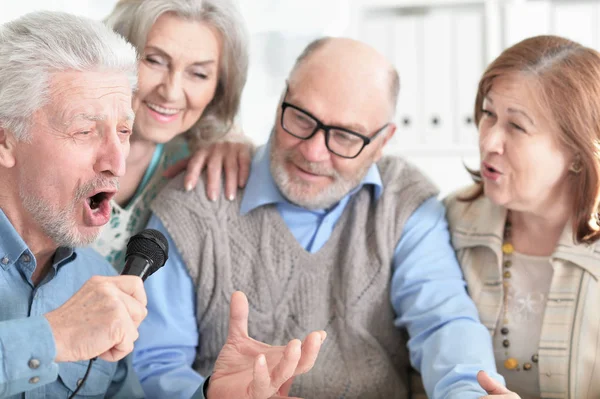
[576, 166]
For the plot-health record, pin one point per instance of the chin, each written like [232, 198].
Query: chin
[86, 235]
[496, 195]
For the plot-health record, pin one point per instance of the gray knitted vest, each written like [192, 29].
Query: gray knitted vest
[344, 288]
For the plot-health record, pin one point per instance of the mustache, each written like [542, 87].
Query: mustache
[98, 183]
[311, 167]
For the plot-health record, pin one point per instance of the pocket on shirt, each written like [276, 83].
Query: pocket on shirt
[97, 382]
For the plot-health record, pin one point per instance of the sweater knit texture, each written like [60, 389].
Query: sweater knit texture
[344, 288]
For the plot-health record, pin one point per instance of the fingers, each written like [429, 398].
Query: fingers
[214, 168]
[176, 168]
[285, 388]
[261, 383]
[238, 316]
[137, 312]
[491, 386]
[287, 365]
[310, 350]
[244, 160]
[231, 175]
[124, 333]
[194, 168]
[234, 158]
[132, 286]
[264, 385]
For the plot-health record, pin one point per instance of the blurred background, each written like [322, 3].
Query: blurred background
[440, 48]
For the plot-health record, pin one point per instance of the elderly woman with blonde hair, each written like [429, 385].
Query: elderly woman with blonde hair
[192, 70]
[527, 234]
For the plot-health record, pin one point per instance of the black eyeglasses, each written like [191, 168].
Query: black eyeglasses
[338, 140]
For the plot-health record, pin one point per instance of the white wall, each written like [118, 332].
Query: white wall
[440, 48]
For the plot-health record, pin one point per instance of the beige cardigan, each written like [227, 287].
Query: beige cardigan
[569, 348]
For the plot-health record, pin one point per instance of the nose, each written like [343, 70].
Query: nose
[315, 149]
[171, 86]
[112, 154]
[491, 139]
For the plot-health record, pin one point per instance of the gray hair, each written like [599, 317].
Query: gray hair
[394, 78]
[36, 45]
[134, 18]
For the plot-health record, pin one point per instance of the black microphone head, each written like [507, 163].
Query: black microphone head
[151, 244]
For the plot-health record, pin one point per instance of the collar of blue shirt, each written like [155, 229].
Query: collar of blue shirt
[12, 246]
[262, 190]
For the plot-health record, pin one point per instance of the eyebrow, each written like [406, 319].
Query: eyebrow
[129, 116]
[355, 127]
[166, 55]
[517, 111]
[513, 110]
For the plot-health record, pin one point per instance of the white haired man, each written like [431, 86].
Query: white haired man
[65, 121]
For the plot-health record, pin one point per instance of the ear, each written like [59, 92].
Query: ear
[7, 148]
[390, 130]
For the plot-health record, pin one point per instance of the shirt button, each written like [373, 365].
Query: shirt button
[4, 261]
[34, 380]
[33, 363]
[79, 381]
[26, 258]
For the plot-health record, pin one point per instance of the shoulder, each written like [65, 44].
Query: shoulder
[474, 217]
[174, 151]
[456, 206]
[399, 175]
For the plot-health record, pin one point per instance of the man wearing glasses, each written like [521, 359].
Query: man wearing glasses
[326, 235]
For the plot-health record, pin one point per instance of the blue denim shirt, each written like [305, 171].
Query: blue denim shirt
[27, 348]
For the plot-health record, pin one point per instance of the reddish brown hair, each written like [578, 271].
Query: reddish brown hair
[568, 77]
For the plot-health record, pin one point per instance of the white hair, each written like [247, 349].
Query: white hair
[39, 44]
[134, 18]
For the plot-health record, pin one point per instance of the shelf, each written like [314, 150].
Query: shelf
[414, 3]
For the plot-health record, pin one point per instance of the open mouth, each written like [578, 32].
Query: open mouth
[490, 168]
[96, 200]
[163, 110]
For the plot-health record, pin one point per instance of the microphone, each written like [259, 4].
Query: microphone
[147, 251]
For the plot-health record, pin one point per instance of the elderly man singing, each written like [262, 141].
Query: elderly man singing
[65, 123]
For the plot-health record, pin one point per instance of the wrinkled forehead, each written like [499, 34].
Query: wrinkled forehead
[520, 90]
[98, 96]
[352, 96]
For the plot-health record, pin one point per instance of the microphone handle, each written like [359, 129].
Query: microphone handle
[137, 265]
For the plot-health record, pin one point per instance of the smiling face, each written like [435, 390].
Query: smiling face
[523, 164]
[69, 170]
[177, 78]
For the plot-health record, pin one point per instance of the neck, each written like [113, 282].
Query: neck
[537, 232]
[42, 247]
[138, 151]
[138, 160]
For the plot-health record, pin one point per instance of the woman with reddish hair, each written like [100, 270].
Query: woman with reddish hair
[527, 233]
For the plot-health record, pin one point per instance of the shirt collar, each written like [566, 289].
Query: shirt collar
[482, 224]
[262, 190]
[12, 246]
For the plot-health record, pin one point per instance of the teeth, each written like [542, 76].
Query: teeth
[162, 110]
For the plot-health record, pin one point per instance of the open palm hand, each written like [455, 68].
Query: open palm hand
[249, 369]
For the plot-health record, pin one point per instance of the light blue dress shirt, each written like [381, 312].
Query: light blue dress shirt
[448, 345]
[27, 348]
